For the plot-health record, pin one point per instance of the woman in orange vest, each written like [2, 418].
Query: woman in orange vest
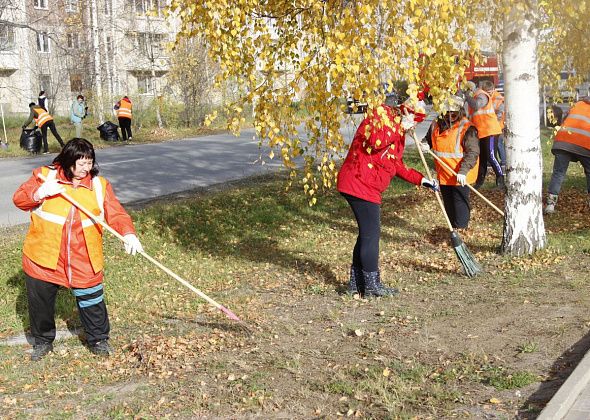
[453, 138]
[571, 143]
[483, 116]
[123, 109]
[63, 246]
[43, 120]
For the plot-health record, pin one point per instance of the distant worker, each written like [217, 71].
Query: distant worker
[483, 116]
[571, 144]
[42, 100]
[43, 120]
[498, 103]
[453, 138]
[77, 114]
[123, 109]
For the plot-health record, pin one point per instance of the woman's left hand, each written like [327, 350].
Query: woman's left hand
[430, 183]
[132, 244]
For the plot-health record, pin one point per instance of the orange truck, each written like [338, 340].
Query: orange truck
[486, 70]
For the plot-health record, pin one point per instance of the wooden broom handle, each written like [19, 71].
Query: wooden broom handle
[448, 168]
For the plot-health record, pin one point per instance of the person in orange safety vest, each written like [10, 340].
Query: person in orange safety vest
[571, 144]
[453, 138]
[63, 247]
[43, 120]
[124, 111]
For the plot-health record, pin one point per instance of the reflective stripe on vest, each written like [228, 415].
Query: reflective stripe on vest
[43, 242]
[576, 127]
[43, 116]
[124, 110]
[443, 143]
[485, 119]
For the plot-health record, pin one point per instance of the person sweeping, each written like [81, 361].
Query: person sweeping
[453, 138]
[373, 160]
[63, 247]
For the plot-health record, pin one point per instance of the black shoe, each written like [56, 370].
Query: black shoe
[101, 348]
[373, 286]
[40, 351]
[356, 283]
[500, 183]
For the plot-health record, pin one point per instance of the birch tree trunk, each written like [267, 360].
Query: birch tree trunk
[97, 63]
[524, 230]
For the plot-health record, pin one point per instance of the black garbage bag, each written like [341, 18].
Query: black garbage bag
[31, 140]
[108, 131]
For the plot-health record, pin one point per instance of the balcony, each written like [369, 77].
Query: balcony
[9, 61]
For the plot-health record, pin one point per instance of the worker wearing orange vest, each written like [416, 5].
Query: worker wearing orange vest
[453, 138]
[43, 120]
[483, 116]
[63, 246]
[498, 103]
[571, 143]
[123, 109]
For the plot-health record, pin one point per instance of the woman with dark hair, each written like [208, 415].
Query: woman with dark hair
[63, 246]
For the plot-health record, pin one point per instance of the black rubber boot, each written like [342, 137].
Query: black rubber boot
[356, 283]
[40, 351]
[500, 184]
[373, 286]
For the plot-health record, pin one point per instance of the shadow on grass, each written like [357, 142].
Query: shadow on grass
[65, 307]
[561, 369]
[255, 221]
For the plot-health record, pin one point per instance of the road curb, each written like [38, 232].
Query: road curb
[563, 400]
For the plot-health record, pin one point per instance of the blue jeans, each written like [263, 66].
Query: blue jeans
[560, 165]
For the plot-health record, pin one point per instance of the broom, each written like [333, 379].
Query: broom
[175, 276]
[448, 168]
[470, 265]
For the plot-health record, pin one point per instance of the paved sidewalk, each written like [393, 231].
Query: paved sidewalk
[572, 400]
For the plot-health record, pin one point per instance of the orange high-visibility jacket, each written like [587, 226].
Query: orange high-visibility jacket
[42, 118]
[124, 110]
[448, 146]
[485, 119]
[498, 100]
[576, 127]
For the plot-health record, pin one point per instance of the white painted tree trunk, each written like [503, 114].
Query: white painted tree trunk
[98, 112]
[524, 230]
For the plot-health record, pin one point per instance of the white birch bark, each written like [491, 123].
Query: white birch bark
[97, 63]
[524, 230]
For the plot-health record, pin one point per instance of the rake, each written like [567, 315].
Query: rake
[175, 276]
[470, 266]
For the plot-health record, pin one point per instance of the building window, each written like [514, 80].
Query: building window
[151, 45]
[45, 83]
[73, 41]
[142, 7]
[71, 6]
[144, 83]
[43, 42]
[6, 37]
[75, 83]
[107, 7]
[40, 4]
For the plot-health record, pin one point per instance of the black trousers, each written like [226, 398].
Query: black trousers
[456, 201]
[125, 124]
[91, 307]
[487, 154]
[368, 218]
[51, 126]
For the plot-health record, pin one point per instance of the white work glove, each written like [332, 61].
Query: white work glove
[50, 188]
[408, 122]
[132, 244]
[462, 179]
[430, 183]
[424, 147]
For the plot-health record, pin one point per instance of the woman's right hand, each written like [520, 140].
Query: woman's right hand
[48, 189]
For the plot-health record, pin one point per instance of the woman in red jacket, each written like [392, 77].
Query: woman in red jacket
[374, 158]
[63, 246]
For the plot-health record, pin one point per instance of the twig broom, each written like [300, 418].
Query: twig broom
[470, 265]
[175, 276]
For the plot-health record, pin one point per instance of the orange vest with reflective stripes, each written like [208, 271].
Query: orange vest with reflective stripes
[448, 146]
[43, 241]
[124, 110]
[497, 100]
[485, 119]
[576, 127]
[43, 117]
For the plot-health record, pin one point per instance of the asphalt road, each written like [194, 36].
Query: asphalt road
[144, 171]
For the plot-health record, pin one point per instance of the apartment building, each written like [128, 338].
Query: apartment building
[102, 49]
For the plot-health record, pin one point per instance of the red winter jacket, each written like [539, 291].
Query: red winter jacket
[375, 157]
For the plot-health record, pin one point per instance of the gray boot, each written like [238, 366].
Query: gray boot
[356, 283]
[551, 202]
[373, 286]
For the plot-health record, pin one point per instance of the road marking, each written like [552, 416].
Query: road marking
[120, 161]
